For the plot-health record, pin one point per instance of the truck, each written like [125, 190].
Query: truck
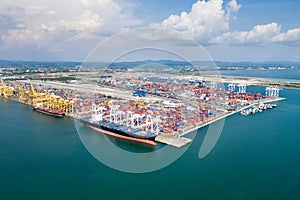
[139, 93]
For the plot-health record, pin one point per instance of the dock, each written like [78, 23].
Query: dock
[187, 131]
[173, 141]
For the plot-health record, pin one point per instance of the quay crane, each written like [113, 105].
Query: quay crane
[272, 91]
[31, 97]
[43, 99]
[57, 102]
[6, 91]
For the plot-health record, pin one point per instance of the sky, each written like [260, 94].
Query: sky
[229, 30]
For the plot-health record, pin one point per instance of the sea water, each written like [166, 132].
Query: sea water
[256, 157]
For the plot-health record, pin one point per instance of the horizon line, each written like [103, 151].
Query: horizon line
[223, 61]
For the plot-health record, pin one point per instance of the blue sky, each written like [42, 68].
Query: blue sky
[230, 30]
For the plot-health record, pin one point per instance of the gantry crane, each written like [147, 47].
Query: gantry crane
[29, 95]
[57, 102]
[7, 91]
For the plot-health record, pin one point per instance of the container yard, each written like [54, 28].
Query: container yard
[144, 108]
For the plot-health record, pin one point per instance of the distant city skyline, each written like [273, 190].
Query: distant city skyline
[230, 30]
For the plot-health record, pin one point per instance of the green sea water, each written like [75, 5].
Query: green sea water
[256, 157]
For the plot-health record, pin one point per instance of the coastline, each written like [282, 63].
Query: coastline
[230, 113]
[283, 83]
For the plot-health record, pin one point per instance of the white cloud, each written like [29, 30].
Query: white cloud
[205, 21]
[55, 23]
[87, 21]
[232, 8]
[291, 37]
[259, 35]
[68, 26]
[208, 22]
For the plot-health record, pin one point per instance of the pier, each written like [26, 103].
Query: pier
[173, 141]
[187, 131]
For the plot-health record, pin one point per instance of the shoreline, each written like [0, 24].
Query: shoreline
[229, 114]
[254, 81]
[144, 141]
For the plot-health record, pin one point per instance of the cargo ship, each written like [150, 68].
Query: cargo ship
[121, 131]
[49, 111]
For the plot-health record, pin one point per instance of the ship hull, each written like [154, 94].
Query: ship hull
[49, 112]
[119, 134]
[124, 131]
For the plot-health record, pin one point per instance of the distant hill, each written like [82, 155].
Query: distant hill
[170, 63]
[20, 63]
[145, 62]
